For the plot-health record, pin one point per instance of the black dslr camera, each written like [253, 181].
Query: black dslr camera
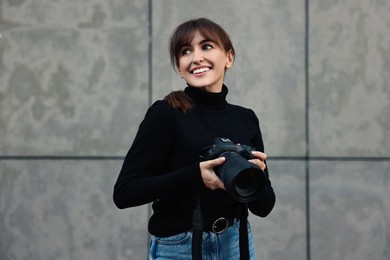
[243, 180]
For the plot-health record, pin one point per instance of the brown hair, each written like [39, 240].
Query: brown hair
[179, 100]
[183, 35]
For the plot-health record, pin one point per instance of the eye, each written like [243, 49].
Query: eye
[185, 51]
[207, 46]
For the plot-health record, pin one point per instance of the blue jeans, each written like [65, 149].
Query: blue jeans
[214, 246]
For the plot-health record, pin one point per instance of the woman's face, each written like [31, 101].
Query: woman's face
[202, 64]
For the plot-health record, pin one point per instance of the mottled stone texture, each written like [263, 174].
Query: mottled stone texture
[350, 210]
[73, 76]
[74, 81]
[349, 78]
[282, 235]
[64, 210]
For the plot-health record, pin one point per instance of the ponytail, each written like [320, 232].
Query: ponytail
[179, 100]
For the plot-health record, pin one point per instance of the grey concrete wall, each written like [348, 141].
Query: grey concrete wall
[76, 79]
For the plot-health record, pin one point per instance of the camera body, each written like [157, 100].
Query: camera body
[243, 180]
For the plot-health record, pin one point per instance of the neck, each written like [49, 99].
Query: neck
[215, 89]
[207, 99]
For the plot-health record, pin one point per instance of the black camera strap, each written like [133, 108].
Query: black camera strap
[197, 231]
[244, 243]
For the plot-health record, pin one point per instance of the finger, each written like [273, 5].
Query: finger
[217, 184]
[212, 181]
[262, 165]
[221, 186]
[215, 162]
[259, 163]
[259, 155]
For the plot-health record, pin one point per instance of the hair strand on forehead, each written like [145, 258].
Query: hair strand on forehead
[183, 36]
[184, 33]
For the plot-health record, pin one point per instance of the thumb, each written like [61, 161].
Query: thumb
[216, 162]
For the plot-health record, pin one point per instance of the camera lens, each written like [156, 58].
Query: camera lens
[243, 180]
[246, 183]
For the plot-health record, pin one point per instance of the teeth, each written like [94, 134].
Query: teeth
[200, 70]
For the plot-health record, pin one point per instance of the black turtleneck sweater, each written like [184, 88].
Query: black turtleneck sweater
[162, 165]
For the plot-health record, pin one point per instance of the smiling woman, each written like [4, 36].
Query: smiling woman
[193, 214]
[202, 52]
[202, 63]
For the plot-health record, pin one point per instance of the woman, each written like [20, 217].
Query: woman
[164, 165]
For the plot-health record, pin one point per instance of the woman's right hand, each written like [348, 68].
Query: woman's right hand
[210, 179]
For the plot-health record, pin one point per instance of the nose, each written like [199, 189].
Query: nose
[198, 56]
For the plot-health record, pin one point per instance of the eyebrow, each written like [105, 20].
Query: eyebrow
[205, 40]
[200, 43]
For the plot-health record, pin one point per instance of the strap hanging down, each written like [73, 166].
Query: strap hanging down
[244, 244]
[197, 220]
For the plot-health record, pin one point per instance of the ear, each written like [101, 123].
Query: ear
[178, 70]
[229, 59]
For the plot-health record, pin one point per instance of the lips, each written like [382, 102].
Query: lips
[200, 70]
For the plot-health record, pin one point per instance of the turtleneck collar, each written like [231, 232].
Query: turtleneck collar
[208, 99]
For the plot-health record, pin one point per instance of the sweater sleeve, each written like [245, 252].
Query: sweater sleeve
[140, 180]
[265, 203]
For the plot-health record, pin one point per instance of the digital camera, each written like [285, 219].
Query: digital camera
[243, 180]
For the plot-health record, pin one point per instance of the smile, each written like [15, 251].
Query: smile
[200, 70]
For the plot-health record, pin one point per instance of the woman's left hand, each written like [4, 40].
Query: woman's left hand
[260, 159]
